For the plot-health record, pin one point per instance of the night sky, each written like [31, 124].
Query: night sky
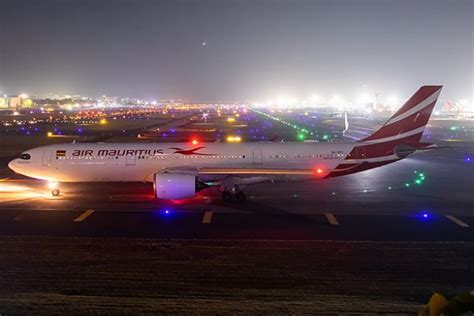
[253, 49]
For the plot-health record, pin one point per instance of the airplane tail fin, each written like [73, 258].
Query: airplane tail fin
[398, 138]
[408, 123]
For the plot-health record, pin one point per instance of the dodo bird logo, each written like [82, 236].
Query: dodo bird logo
[192, 151]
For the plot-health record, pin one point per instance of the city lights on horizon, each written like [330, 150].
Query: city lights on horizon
[365, 102]
[340, 101]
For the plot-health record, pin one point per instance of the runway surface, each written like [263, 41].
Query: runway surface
[209, 225]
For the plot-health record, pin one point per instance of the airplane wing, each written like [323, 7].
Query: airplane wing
[252, 171]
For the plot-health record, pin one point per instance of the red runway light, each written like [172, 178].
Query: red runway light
[194, 142]
[319, 171]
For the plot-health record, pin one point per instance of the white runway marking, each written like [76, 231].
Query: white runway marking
[206, 219]
[331, 219]
[457, 221]
[84, 215]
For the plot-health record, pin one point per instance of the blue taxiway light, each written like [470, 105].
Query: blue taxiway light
[166, 212]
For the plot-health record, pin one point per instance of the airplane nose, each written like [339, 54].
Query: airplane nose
[11, 165]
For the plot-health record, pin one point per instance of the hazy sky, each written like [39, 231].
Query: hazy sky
[253, 49]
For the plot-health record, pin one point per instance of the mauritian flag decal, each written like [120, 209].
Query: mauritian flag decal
[60, 153]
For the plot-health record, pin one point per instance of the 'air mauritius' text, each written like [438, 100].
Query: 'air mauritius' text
[117, 152]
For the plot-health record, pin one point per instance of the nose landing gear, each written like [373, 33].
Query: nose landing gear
[54, 186]
[233, 194]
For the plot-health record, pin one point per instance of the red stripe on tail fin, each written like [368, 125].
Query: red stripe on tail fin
[410, 119]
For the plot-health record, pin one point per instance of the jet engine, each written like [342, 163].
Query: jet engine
[174, 186]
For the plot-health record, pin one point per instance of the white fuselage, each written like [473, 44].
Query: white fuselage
[110, 162]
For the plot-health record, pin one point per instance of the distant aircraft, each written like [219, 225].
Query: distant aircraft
[179, 170]
[346, 124]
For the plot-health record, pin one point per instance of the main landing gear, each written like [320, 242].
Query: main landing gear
[233, 194]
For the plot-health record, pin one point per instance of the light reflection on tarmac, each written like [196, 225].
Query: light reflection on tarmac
[20, 190]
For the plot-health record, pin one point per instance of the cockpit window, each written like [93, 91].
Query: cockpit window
[25, 156]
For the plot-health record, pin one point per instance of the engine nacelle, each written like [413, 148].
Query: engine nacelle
[174, 186]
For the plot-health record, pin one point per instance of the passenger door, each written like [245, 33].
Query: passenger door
[360, 152]
[130, 160]
[47, 158]
[257, 157]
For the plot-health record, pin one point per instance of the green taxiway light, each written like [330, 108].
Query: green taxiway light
[418, 181]
[407, 184]
[326, 137]
[300, 136]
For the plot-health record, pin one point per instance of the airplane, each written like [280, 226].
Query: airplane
[180, 170]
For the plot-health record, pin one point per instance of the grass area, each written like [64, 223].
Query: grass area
[129, 276]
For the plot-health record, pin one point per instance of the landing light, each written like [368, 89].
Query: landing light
[53, 184]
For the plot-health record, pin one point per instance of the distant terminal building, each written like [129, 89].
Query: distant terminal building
[4, 102]
[16, 102]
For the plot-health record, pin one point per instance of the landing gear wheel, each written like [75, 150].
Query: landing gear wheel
[55, 192]
[240, 196]
[226, 196]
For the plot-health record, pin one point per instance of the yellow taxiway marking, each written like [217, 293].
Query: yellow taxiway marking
[206, 219]
[331, 219]
[457, 221]
[84, 215]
